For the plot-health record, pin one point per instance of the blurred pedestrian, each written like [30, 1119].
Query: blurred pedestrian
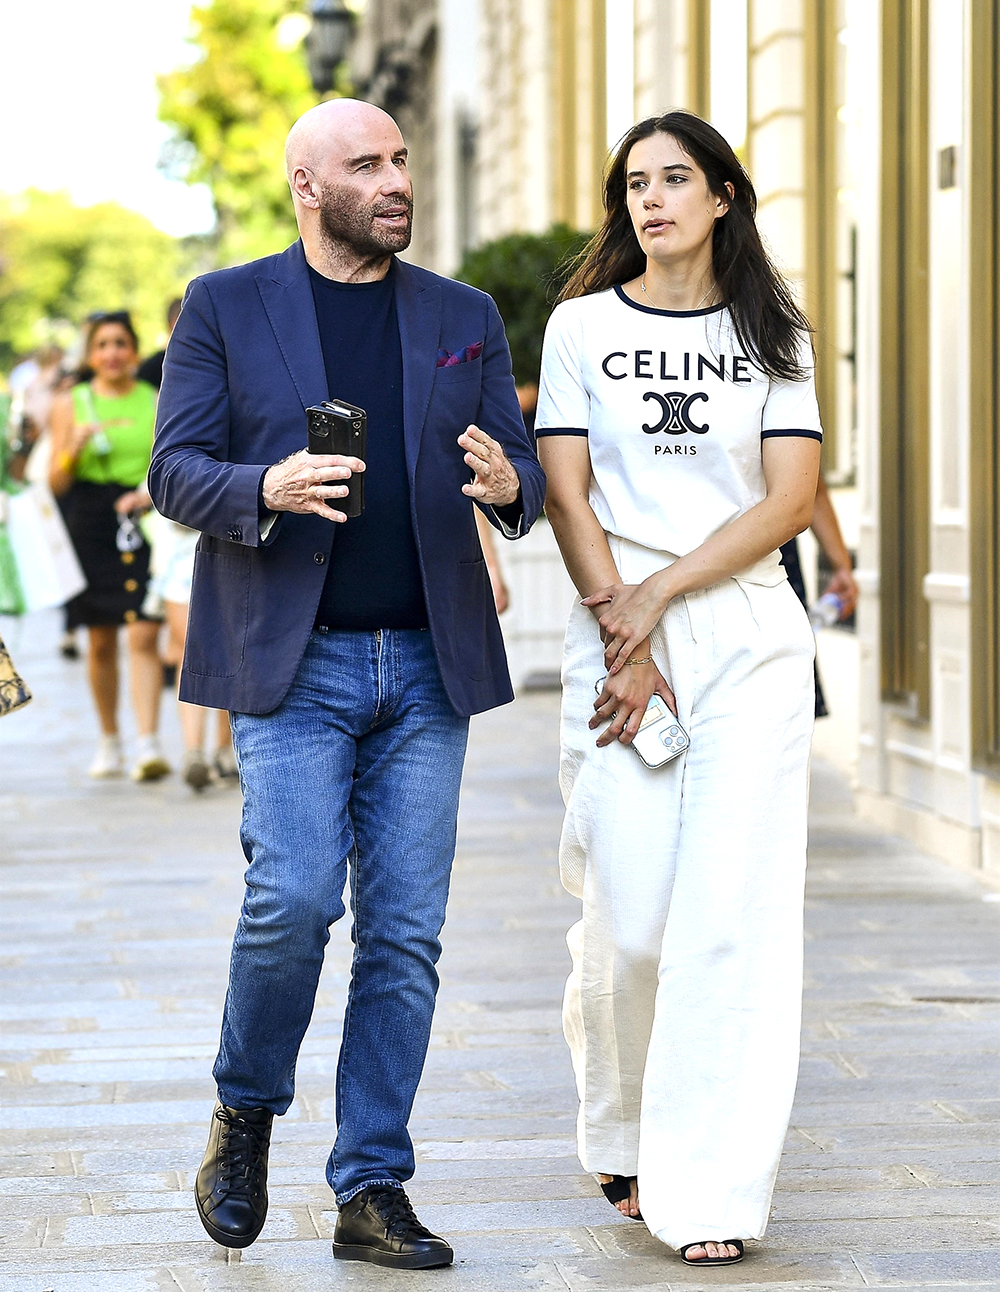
[102, 435]
[350, 664]
[171, 571]
[151, 369]
[52, 378]
[678, 427]
[501, 593]
[841, 583]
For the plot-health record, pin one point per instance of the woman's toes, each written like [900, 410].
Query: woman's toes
[697, 1253]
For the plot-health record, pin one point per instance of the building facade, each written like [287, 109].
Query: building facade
[870, 128]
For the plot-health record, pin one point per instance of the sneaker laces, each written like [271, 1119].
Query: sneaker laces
[241, 1152]
[395, 1211]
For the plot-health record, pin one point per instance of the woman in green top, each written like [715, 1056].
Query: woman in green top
[102, 437]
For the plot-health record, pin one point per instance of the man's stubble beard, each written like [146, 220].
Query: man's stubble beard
[344, 223]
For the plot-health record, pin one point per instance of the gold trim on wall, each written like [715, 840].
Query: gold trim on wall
[904, 533]
[599, 107]
[563, 18]
[984, 382]
[821, 51]
[699, 57]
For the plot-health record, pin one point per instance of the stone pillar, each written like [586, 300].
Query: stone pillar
[516, 131]
[661, 63]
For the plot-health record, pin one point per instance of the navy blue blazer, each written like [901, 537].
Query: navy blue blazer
[242, 365]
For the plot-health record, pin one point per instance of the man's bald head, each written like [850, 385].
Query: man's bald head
[335, 129]
[346, 167]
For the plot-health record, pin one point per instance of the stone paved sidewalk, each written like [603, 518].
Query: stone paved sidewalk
[117, 910]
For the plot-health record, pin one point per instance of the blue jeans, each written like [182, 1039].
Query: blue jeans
[361, 762]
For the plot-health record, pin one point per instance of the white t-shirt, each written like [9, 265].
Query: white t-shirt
[674, 413]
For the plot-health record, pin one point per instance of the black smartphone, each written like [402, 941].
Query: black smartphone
[338, 427]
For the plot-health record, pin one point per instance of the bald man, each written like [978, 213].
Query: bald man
[349, 652]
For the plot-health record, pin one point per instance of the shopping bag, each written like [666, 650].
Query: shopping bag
[47, 565]
[11, 592]
[13, 692]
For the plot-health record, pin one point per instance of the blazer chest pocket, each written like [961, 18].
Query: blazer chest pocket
[471, 370]
[220, 614]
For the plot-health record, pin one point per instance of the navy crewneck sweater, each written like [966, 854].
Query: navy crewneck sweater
[373, 578]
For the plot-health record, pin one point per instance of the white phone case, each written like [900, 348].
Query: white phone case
[660, 737]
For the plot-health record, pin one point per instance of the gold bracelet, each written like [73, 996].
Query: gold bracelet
[647, 660]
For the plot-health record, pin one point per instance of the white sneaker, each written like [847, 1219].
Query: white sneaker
[109, 760]
[150, 764]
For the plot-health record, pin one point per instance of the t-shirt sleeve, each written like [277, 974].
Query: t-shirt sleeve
[563, 402]
[791, 408]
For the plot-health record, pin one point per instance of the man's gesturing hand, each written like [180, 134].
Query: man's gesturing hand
[304, 481]
[495, 482]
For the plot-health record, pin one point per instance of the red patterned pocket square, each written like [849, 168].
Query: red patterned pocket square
[446, 359]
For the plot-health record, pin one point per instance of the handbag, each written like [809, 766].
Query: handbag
[14, 694]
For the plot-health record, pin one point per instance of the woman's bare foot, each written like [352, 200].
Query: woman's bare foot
[714, 1251]
[628, 1206]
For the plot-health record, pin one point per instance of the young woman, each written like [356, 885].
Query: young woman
[102, 436]
[679, 431]
[172, 571]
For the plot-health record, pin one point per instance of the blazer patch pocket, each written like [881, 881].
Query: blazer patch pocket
[220, 614]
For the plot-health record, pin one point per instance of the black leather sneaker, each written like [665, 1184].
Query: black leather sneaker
[379, 1225]
[231, 1189]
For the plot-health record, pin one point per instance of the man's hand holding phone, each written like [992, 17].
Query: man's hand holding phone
[307, 482]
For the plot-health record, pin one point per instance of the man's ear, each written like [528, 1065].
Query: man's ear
[303, 187]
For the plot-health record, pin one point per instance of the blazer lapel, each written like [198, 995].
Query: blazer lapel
[418, 308]
[287, 299]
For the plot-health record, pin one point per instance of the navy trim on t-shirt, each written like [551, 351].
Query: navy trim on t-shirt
[796, 432]
[673, 314]
[560, 430]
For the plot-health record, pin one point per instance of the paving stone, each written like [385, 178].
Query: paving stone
[115, 965]
[916, 1269]
[816, 1270]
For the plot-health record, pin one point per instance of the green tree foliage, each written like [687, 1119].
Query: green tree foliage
[231, 110]
[523, 273]
[60, 262]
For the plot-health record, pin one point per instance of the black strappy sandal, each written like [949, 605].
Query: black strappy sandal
[619, 1189]
[714, 1260]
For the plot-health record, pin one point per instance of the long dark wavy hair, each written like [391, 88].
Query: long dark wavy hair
[768, 323]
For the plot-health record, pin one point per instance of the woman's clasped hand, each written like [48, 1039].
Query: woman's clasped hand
[633, 610]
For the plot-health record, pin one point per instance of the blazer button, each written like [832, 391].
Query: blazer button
[319, 558]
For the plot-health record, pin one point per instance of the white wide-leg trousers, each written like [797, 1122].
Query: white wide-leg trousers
[683, 1007]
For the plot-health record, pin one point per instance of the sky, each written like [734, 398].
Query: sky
[78, 101]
